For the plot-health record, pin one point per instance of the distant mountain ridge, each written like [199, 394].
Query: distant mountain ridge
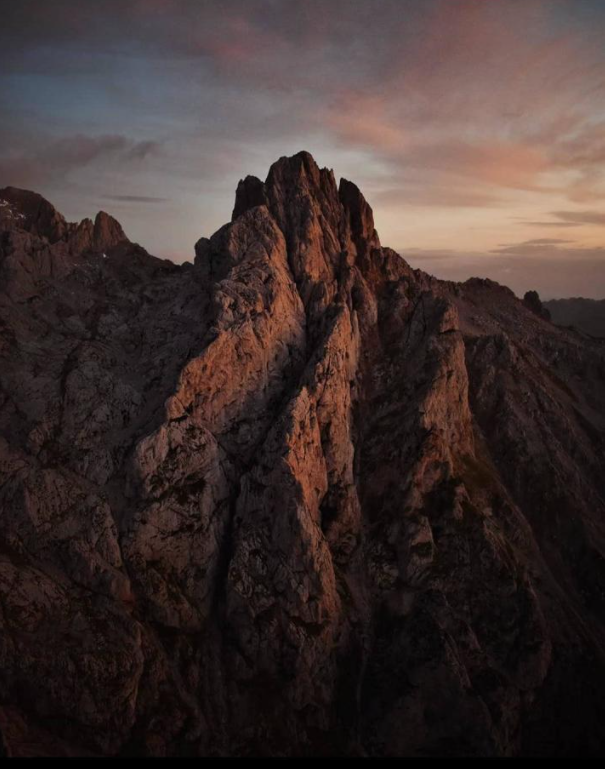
[294, 499]
[588, 315]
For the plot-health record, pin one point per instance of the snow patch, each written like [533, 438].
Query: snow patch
[11, 208]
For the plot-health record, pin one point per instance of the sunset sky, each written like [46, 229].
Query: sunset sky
[475, 128]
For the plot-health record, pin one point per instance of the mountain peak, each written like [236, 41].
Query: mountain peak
[107, 232]
[304, 198]
[299, 469]
[302, 163]
[249, 194]
[300, 171]
[32, 212]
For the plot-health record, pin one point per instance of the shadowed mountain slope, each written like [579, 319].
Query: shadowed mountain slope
[587, 315]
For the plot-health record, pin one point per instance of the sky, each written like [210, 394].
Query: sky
[474, 128]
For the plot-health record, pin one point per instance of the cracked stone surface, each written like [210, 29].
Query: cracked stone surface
[296, 498]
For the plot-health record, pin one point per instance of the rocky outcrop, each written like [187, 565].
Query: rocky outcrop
[107, 233]
[533, 302]
[249, 194]
[29, 211]
[294, 499]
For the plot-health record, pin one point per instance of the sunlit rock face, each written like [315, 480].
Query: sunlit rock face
[294, 499]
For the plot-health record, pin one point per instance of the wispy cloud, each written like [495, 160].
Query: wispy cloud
[135, 199]
[552, 224]
[56, 159]
[558, 250]
[537, 242]
[581, 217]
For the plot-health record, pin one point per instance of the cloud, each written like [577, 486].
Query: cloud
[570, 219]
[426, 255]
[553, 224]
[77, 150]
[486, 94]
[365, 122]
[538, 242]
[436, 193]
[553, 251]
[586, 147]
[581, 217]
[141, 150]
[56, 159]
[135, 199]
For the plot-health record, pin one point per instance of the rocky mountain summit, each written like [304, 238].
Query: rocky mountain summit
[296, 498]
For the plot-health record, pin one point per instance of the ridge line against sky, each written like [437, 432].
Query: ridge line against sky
[475, 129]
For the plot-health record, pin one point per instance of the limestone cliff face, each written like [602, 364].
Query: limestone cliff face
[294, 499]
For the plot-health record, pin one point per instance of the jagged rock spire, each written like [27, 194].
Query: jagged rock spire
[250, 193]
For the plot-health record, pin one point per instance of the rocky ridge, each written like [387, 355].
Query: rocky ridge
[294, 499]
[584, 315]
